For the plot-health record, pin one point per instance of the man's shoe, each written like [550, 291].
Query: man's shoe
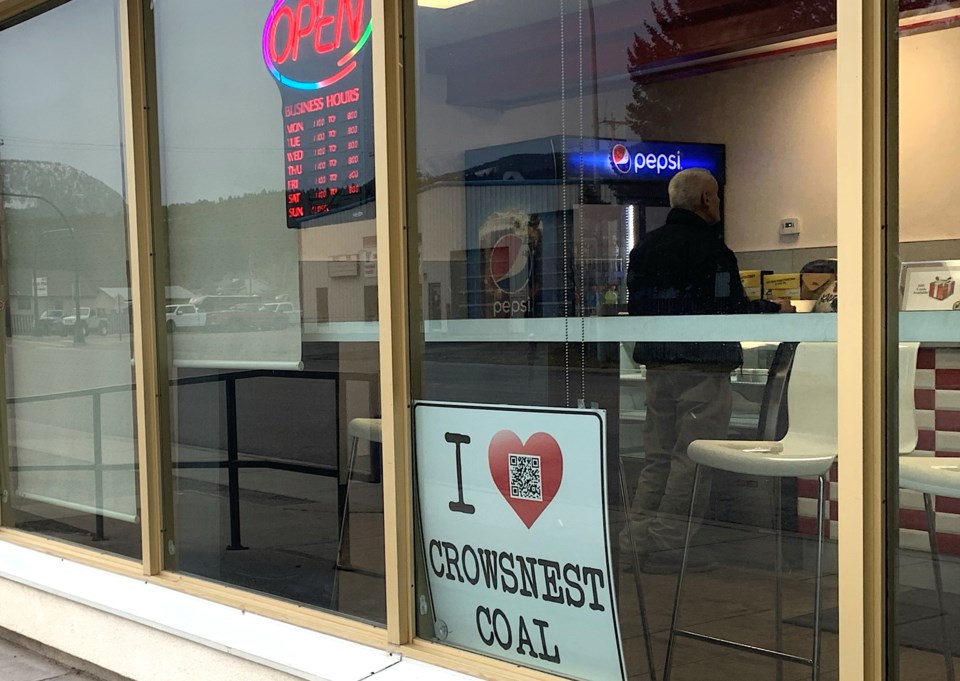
[630, 534]
[668, 562]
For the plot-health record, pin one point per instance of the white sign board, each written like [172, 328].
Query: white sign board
[930, 285]
[41, 284]
[369, 259]
[513, 506]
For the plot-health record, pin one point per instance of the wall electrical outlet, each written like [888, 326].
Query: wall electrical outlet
[789, 226]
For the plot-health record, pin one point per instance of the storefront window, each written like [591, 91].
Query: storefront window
[625, 277]
[69, 427]
[267, 187]
[929, 402]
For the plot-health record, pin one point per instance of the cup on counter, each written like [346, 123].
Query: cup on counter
[804, 305]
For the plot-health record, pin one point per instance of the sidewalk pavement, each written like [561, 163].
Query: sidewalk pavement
[18, 663]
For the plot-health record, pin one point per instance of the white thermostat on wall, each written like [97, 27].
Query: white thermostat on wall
[789, 226]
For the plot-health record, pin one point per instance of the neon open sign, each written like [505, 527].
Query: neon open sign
[298, 32]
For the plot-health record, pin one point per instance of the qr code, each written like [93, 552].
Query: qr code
[525, 477]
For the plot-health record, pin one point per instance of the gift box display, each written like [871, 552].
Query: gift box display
[941, 289]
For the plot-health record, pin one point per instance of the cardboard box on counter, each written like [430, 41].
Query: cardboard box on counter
[752, 281]
[781, 286]
[814, 284]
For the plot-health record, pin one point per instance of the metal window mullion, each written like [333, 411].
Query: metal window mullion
[889, 75]
[860, 330]
[393, 302]
[142, 190]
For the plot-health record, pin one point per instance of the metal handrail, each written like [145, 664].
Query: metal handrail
[88, 392]
[232, 463]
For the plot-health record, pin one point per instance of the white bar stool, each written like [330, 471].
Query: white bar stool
[929, 475]
[934, 475]
[809, 448]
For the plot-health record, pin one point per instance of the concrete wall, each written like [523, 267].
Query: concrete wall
[127, 648]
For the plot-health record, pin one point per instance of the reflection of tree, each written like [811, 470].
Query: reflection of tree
[654, 46]
[657, 46]
[234, 239]
[681, 31]
[819, 12]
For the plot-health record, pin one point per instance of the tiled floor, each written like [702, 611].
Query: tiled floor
[730, 603]
[736, 600]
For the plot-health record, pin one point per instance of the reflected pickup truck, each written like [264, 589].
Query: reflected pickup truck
[180, 317]
[90, 322]
[291, 313]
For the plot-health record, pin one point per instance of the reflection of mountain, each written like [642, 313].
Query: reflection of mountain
[73, 191]
[88, 238]
[242, 238]
[544, 166]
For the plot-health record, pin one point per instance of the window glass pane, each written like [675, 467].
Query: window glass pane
[70, 430]
[928, 602]
[267, 183]
[568, 256]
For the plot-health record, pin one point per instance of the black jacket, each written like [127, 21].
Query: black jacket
[684, 268]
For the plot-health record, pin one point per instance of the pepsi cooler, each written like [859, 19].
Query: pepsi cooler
[536, 233]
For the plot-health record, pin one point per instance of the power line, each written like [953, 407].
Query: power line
[39, 142]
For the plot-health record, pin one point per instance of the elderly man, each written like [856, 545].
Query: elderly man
[683, 268]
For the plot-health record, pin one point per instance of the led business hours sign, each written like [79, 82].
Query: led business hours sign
[515, 535]
[318, 52]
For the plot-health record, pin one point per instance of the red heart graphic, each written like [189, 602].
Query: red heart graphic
[527, 475]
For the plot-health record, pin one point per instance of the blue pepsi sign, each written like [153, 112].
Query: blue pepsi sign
[646, 161]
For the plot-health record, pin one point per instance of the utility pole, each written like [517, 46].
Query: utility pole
[6, 480]
[78, 334]
[613, 124]
[595, 75]
[4, 257]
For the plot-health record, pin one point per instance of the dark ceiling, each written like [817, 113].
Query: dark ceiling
[639, 39]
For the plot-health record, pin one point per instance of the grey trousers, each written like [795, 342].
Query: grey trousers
[683, 403]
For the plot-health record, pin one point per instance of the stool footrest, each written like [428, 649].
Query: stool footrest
[346, 567]
[775, 654]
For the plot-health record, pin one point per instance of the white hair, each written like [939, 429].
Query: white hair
[504, 221]
[687, 186]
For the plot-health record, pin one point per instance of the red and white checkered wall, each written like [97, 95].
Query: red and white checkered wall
[937, 395]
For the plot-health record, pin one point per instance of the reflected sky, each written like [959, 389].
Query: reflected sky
[220, 107]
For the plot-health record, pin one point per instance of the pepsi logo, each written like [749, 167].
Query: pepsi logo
[510, 263]
[620, 159]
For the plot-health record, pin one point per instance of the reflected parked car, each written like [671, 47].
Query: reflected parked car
[287, 309]
[180, 317]
[49, 323]
[246, 317]
[90, 322]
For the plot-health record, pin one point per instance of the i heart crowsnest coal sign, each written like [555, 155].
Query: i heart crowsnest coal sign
[513, 513]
